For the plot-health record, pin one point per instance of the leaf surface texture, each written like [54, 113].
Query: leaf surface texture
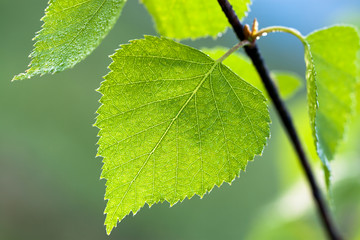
[173, 123]
[72, 30]
[181, 19]
[330, 56]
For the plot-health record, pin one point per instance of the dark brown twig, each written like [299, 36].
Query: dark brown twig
[254, 54]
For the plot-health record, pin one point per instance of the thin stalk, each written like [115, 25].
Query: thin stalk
[292, 31]
[253, 52]
[233, 49]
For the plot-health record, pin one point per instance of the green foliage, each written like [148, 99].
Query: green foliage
[173, 123]
[330, 56]
[191, 19]
[310, 76]
[358, 83]
[287, 82]
[358, 97]
[71, 31]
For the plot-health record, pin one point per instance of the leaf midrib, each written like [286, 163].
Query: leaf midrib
[164, 134]
[83, 28]
[74, 6]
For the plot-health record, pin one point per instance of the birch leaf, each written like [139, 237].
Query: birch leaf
[181, 19]
[71, 31]
[173, 123]
[330, 56]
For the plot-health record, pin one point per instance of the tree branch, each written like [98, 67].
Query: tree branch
[253, 52]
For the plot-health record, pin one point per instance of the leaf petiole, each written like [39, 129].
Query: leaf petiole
[265, 31]
[233, 49]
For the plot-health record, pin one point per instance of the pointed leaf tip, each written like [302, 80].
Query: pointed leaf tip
[173, 123]
[330, 56]
[70, 33]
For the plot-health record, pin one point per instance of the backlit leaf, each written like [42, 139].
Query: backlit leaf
[358, 83]
[72, 30]
[191, 19]
[330, 56]
[173, 123]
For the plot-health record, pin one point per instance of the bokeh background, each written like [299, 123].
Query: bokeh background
[49, 176]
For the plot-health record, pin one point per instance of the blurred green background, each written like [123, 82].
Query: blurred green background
[49, 176]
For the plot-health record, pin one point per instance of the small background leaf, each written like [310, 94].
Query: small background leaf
[358, 83]
[173, 123]
[191, 19]
[288, 83]
[71, 31]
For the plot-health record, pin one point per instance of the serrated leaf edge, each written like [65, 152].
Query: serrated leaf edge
[264, 142]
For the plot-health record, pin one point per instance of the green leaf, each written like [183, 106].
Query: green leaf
[173, 123]
[358, 98]
[191, 19]
[288, 83]
[330, 56]
[71, 31]
[358, 83]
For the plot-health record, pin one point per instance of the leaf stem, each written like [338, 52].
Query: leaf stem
[233, 49]
[253, 52]
[271, 29]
